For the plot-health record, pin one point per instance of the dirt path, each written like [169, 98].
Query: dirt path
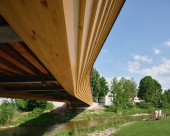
[109, 131]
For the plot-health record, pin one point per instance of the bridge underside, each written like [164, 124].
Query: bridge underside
[22, 75]
[48, 47]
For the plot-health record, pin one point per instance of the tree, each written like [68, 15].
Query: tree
[129, 87]
[122, 90]
[166, 96]
[117, 93]
[30, 105]
[150, 90]
[103, 88]
[95, 77]
[166, 99]
[99, 85]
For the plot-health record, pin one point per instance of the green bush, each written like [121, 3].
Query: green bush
[7, 112]
[166, 105]
[37, 111]
[144, 105]
[110, 108]
[30, 105]
[130, 105]
[21, 104]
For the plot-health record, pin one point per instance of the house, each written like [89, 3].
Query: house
[108, 99]
[135, 100]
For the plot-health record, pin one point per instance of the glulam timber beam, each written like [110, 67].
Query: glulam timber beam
[25, 95]
[35, 88]
[26, 79]
[65, 35]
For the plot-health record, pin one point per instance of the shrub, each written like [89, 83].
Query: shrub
[37, 111]
[130, 105]
[21, 104]
[7, 112]
[30, 105]
[166, 105]
[110, 108]
[144, 105]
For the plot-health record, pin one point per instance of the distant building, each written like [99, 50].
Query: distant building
[135, 100]
[108, 99]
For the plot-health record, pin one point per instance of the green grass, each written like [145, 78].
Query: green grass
[94, 114]
[107, 113]
[44, 118]
[147, 128]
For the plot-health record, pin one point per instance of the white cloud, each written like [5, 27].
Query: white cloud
[163, 68]
[160, 72]
[145, 59]
[167, 43]
[133, 66]
[157, 51]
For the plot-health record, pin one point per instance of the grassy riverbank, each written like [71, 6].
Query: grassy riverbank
[37, 117]
[83, 131]
[147, 128]
[113, 123]
[34, 118]
[48, 117]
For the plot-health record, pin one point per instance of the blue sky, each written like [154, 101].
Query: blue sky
[139, 43]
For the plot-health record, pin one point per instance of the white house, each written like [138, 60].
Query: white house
[136, 100]
[108, 99]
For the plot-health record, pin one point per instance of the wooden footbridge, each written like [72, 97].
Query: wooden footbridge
[48, 47]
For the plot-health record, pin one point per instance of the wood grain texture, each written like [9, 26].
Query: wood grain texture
[66, 36]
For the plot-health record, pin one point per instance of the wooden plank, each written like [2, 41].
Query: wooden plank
[25, 95]
[82, 80]
[71, 9]
[17, 59]
[32, 88]
[112, 14]
[18, 79]
[5, 72]
[12, 66]
[8, 68]
[29, 57]
[16, 63]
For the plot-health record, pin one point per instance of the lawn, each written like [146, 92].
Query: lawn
[147, 128]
